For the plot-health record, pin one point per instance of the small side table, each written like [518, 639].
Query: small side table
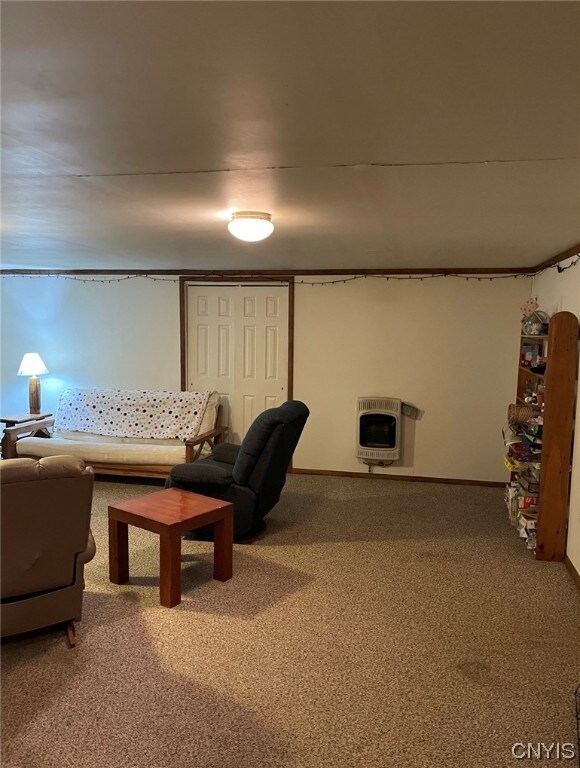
[23, 418]
[170, 513]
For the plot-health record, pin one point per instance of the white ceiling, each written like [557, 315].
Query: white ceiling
[378, 134]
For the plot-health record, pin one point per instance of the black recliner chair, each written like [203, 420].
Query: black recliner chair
[250, 475]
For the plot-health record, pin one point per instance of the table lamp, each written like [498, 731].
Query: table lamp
[33, 366]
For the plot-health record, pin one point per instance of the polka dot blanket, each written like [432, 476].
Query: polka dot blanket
[131, 413]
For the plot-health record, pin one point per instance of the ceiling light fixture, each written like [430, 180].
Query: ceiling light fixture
[251, 226]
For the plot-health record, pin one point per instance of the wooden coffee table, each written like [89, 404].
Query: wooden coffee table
[170, 513]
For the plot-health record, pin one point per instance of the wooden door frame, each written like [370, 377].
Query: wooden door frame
[245, 280]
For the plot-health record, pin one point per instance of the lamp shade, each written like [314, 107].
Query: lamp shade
[251, 226]
[32, 365]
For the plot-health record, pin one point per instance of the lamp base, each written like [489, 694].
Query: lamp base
[34, 394]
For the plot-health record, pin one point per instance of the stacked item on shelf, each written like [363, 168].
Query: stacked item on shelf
[530, 353]
[527, 523]
[528, 487]
[523, 454]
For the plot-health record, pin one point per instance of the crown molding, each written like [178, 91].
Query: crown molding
[277, 273]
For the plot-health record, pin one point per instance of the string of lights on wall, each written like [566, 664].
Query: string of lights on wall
[277, 278]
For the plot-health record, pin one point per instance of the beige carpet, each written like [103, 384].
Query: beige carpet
[373, 624]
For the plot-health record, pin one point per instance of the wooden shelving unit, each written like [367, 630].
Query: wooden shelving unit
[560, 388]
[558, 383]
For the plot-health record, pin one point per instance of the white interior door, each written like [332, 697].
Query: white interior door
[237, 343]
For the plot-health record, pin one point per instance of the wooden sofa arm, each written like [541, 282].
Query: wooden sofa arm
[28, 429]
[194, 446]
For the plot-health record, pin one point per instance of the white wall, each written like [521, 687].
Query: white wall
[119, 335]
[446, 345]
[557, 292]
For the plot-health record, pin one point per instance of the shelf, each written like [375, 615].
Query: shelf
[558, 380]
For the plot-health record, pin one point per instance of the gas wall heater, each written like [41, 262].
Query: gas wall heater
[378, 429]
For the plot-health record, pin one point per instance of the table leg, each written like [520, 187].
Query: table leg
[223, 545]
[170, 570]
[118, 552]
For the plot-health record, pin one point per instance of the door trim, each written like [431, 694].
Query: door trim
[183, 284]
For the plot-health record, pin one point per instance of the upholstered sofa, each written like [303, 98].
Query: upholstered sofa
[124, 432]
[46, 542]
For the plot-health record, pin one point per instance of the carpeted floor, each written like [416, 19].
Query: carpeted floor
[373, 624]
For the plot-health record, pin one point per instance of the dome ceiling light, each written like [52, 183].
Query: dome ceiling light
[251, 226]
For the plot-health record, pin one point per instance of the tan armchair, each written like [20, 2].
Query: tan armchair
[45, 541]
